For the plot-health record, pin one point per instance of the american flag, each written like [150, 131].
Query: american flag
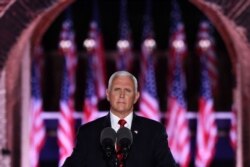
[177, 123]
[149, 106]
[66, 121]
[91, 100]
[95, 81]
[205, 36]
[98, 61]
[233, 130]
[37, 128]
[124, 58]
[66, 131]
[68, 50]
[96, 50]
[177, 41]
[206, 125]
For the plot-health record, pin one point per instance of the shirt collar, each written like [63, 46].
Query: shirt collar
[114, 121]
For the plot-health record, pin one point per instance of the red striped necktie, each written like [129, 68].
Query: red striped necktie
[122, 122]
[119, 155]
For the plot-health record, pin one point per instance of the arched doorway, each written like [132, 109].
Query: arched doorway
[39, 24]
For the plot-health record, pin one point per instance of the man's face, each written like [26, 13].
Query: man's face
[122, 95]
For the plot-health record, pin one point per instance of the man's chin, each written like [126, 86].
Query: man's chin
[122, 110]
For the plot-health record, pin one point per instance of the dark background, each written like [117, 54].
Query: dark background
[109, 23]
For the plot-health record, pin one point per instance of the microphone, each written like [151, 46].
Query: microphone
[124, 140]
[107, 140]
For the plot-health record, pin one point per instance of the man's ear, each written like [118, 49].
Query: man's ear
[107, 94]
[136, 97]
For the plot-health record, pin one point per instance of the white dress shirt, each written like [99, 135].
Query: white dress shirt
[114, 121]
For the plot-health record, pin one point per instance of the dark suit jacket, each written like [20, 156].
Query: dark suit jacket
[149, 147]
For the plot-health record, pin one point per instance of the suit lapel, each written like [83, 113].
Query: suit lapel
[135, 128]
[133, 153]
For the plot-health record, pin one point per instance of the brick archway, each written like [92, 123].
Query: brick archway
[22, 23]
[235, 33]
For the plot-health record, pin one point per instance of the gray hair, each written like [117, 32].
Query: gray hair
[123, 73]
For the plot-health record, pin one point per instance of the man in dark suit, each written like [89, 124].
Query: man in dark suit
[149, 148]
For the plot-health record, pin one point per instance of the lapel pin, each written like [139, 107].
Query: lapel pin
[136, 131]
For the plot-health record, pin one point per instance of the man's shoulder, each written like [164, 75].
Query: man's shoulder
[148, 121]
[94, 124]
